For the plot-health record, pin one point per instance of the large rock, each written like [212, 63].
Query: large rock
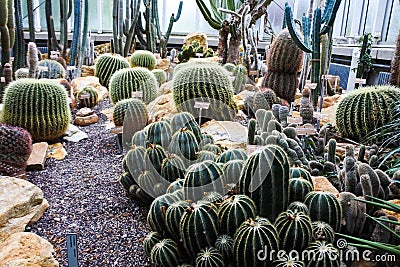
[227, 132]
[162, 107]
[321, 183]
[200, 37]
[21, 203]
[26, 249]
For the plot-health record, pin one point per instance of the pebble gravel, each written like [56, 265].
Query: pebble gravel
[85, 198]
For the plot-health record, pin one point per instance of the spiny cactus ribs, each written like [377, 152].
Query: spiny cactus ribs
[106, 65]
[15, 147]
[143, 58]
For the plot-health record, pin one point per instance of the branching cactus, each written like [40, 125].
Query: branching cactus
[322, 23]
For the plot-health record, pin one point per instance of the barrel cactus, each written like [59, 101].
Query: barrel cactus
[172, 168]
[161, 76]
[150, 240]
[323, 254]
[224, 244]
[233, 212]
[294, 230]
[140, 138]
[321, 231]
[39, 106]
[159, 133]
[252, 236]
[126, 81]
[283, 84]
[203, 177]
[198, 227]
[213, 197]
[265, 179]
[240, 74]
[186, 120]
[206, 83]
[324, 206]
[132, 111]
[173, 217]
[298, 206]
[21, 73]
[156, 215]
[87, 97]
[232, 170]
[134, 160]
[232, 154]
[55, 70]
[362, 111]
[184, 144]
[106, 65]
[298, 172]
[298, 189]
[143, 58]
[15, 147]
[288, 261]
[209, 257]
[165, 253]
[154, 157]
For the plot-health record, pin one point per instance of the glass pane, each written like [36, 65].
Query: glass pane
[93, 17]
[107, 15]
[394, 25]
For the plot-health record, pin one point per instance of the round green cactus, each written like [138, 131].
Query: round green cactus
[362, 111]
[205, 83]
[175, 186]
[39, 106]
[131, 111]
[298, 172]
[230, 67]
[198, 227]
[233, 212]
[15, 149]
[126, 81]
[298, 189]
[205, 155]
[251, 237]
[213, 197]
[150, 240]
[161, 76]
[165, 253]
[232, 170]
[143, 58]
[321, 231]
[224, 244]
[126, 180]
[140, 138]
[240, 74]
[173, 217]
[21, 73]
[159, 133]
[265, 179]
[55, 69]
[298, 206]
[172, 168]
[212, 148]
[209, 257]
[186, 120]
[294, 230]
[156, 215]
[88, 97]
[154, 157]
[324, 206]
[184, 144]
[133, 161]
[323, 255]
[106, 65]
[232, 154]
[203, 177]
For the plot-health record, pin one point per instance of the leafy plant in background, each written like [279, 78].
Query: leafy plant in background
[366, 244]
[365, 60]
[390, 135]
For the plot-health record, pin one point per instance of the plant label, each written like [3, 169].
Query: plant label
[295, 120]
[305, 130]
[253, 148]
[72, 250]
[202, 105]
[137, 94]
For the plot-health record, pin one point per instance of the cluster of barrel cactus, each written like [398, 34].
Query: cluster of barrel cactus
[194, 50]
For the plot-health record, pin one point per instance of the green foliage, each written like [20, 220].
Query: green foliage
[144, 59]
[206, 83]
[39, 106]
[106, 65]
[126, 81]
[364, 110]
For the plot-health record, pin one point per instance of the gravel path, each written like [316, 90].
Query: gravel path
[85, 198]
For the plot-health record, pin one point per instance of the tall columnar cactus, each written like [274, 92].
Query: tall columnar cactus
[265, 179]
[233, 212]
[350, 170]
[32, 59]
[15, 147]
[306, 107]
[106, 65]
[126, 81]
[8, 73]
[133, 111]
[240, 78]
[77, 32]
[322, 23]
[353, 213]
[395, 65]
[324, 206]
[294, 230]
[203, 177]
[206, 83]
[5, 35]
[252, 236]
[361, 112]
[143, 58]
[65, 14]
[198, 227]
[27, 105]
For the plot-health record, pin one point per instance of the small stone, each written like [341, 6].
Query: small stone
[84, 121]
[84, 112]
[38, 156]
[57, 219]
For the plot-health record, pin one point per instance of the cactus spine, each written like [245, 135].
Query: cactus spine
[106, 65]
[132, 111]
[165, 253]
[143, 58]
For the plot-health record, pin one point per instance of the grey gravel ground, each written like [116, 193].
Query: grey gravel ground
[85, 198]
